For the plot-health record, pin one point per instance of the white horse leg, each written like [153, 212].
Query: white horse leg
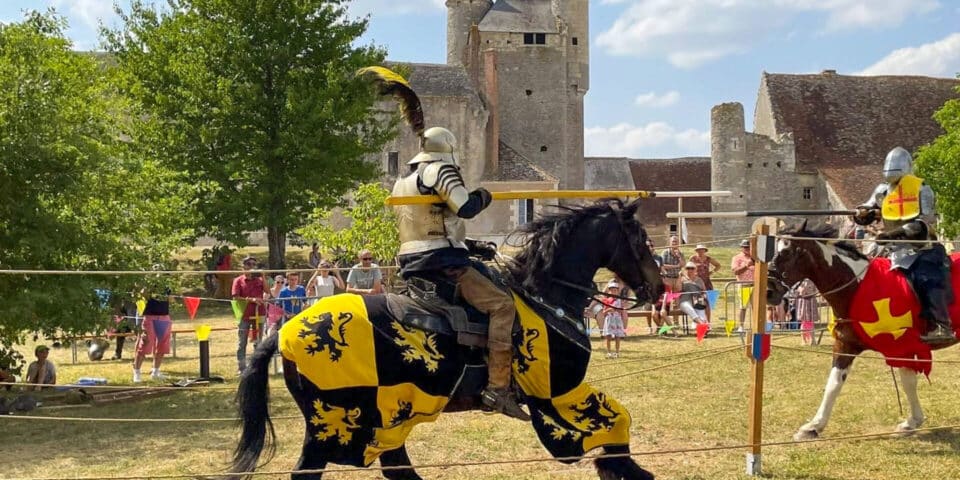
[908, 378]
[835, 382]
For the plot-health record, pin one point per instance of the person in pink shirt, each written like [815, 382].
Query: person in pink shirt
[742, 267]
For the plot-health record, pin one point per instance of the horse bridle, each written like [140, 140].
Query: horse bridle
[593, 292]
[777, 276]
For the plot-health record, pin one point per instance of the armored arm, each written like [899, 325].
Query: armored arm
[869, 212]
[445, 179]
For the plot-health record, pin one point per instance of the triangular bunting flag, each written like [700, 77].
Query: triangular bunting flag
[702, 329]
[728, 326]
[238, 307]
[141, 306]
[664, 329]
[192, 303]
[712, 297]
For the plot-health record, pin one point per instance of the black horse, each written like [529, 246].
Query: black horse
[363, 379]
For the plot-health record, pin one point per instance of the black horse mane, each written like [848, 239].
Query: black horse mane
[540, 240]
[824, 231]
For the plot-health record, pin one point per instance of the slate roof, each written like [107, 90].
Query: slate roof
[534, 16]
[438, 80]
[671, 174]
[514, 167]
[844, 125]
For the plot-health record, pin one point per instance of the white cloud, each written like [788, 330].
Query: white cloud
[936, 59]
[361, 8]
[88, 12]
[690, 33]
[655, 139]
[651, 99]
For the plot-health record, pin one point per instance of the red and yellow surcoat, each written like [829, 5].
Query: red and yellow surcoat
[903, 201]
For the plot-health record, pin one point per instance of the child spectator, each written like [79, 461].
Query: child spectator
[155, 339]
[614, 318]
[807, 312]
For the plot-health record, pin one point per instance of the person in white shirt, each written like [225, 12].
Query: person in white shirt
[324, 282]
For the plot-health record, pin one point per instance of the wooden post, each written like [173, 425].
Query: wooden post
[758, 348]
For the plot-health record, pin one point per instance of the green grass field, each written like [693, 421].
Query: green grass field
[702, 403]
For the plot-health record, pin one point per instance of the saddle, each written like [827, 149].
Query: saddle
[432, 303]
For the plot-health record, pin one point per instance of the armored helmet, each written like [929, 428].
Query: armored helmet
[437, 144]
[898, 163]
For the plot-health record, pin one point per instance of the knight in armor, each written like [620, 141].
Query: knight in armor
[908, 209]
[433, 240]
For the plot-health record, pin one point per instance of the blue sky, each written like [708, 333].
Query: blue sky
[658, 66]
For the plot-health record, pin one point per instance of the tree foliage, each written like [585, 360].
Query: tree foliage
[73, 194]
[938, 163]
[257, 101]
[372, 226]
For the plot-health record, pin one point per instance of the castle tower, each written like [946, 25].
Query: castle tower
[541, 51]
[730, 168]
[461, 15]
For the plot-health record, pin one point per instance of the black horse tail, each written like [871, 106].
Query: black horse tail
[252, 398]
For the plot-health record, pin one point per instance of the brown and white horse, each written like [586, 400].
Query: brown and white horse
[858, 289]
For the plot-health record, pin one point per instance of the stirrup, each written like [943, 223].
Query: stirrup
[501, 400]
[939, 335]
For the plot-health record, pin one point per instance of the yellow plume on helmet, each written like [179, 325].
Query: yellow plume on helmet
[391, 83]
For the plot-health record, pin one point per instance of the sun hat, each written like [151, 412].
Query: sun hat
[690, 265]
[744, 243]
[701, 246]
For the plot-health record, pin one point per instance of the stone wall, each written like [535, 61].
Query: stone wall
[759, 170]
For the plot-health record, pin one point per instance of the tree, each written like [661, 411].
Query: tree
[257, 101]
[372, 226]
[73, 194]
[938, 163]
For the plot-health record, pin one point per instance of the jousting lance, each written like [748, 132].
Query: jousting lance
[760, 213]
[551, 194]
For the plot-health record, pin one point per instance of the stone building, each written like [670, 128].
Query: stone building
[512, 92]
[819, 140]
[657, 174]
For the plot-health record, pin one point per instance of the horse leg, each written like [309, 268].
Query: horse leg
[835, 381]
[908, 378]
[620, 468]
[398, 458]
[309, 460]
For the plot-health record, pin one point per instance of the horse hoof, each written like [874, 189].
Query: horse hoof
[904, 430]
[802, 435]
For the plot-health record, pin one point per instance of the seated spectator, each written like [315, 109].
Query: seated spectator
[365, 277]
[41, 371]
[693, 300]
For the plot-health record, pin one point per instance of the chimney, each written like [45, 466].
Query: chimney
[491, 92]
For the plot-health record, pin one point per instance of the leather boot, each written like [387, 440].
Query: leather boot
[939, 318]
[498, 395]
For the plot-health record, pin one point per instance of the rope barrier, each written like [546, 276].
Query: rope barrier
[381, 468]
[184, 272]
[136, 420]
[869, 357]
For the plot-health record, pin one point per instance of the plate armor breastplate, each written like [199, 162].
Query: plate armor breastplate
[426, 227]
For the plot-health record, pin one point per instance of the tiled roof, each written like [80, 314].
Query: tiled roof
[533, 16]
[671, 174]
[513, 166]
[438, 80]
[841, 123]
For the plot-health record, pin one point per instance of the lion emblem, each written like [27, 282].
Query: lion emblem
[329, 334]
[333, 421]
[595, 413]
[417, 346]
[404, 412]
[524, 352]
[559, 432]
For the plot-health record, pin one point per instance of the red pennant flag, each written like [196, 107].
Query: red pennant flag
[192, 303]
[702, 329]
